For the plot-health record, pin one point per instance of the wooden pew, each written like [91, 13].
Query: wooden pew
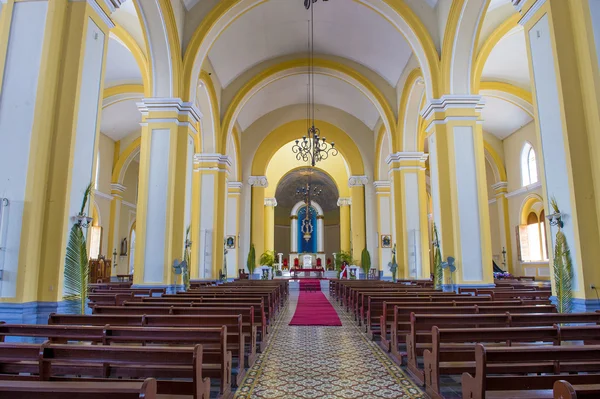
[52, 333]
[564, 390]
[552, 361]
[271, 296]
[178, 370]
[78, 390]
[112, 299]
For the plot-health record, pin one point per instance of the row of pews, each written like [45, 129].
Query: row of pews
[507, 341]
[140, 343]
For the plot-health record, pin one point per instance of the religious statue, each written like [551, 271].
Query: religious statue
[124, 247]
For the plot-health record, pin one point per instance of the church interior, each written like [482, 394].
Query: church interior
[299, 198]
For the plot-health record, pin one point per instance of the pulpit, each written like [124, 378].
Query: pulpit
[99, 271]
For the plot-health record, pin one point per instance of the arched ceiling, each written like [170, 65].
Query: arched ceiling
[292, 90]
[502, 118]
[508, 60]
[121, 67]
[126, 16]
[286, 189]
[342, 28]
[121, 119]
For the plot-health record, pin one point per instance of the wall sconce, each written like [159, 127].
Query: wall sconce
[83, 220]
[555, 219]
[115, 257]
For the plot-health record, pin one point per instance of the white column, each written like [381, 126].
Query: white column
[294, 234]
[321, 234]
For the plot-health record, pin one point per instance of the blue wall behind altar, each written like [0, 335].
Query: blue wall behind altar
[309, 246]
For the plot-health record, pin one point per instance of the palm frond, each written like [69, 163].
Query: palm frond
[438, 272]
[76, 271]
[88, 190]
[563, 274]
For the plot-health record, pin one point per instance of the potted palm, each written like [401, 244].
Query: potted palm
[267, 258]
[77, 267]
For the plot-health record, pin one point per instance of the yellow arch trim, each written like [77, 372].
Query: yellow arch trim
[238, 149]
[212, 94]
[139, 56]
[285, 134]
[122, 89]
[378, 150]
[516, 91]
[488, 46]
[318, 63]
[174, 46]
[150, 87]
[399, 6]
[526, 206]
[496, 159]
[126, 156]
[412, 78]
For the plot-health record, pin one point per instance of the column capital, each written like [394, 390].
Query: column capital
[271, 202]
[500, 188]
[357, 181]
[320, 217]
[294, 217]
[518, 4]
[382, 187]
[343, 201]
[527, 8]
[170, 110]
[258, 181]
[117, 190]
[409, 158]
[215, 162]
[235, 185]
[112, 5]
[452, 102]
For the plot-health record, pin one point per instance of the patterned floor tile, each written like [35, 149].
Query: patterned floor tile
[323, 363]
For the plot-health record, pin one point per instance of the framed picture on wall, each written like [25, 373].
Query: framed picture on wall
[386, 241]
[230, 242]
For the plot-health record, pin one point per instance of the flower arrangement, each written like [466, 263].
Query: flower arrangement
[502, 275]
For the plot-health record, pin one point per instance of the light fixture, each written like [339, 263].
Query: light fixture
[312, 148]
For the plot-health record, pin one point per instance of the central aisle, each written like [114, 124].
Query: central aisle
[323, 362]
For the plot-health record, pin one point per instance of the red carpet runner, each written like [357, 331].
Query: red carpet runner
[314, 310]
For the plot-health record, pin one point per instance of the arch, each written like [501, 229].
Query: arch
[300, 204]
[459, 47]
[125, 159]
[295, 67]
[206, 98]
[233, 152]
[162, 46]
[116, 94]
[138, 54]
[380, 151]
[286, 133]
[495, 161]
[488, 46]
[408, 114]
[505, 91]
[322, 170]
[527, 206]
[397, 12]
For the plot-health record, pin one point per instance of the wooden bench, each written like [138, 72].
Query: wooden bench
[78, 390]
[564, 390]
[113, 299]
[498, 370]
[452, 351]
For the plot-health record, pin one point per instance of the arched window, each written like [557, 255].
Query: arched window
[528, 165]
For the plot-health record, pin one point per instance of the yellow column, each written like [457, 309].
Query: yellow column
[563, 61]
[270, 204]
[357, 220]
[384, 223]
[410, 200]
[58, 82]
[114, 241]
[501, 189]
[168, 127]
[234, 193]
[458, 185]
[258, 184]
[344, 204]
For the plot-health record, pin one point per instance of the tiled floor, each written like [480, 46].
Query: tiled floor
[323, 362]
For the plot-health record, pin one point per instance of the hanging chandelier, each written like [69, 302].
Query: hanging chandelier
[312, 148]
[307, 191]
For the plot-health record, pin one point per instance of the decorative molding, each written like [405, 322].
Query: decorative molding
[117, 189]
[524, 190]
[113, 5]
[492, 201]
[357, 181]
[103, 195]
[271, 202]
[157, 104]
[343, 201]
[101, 13]
[531, 12]
[407, 156]
[129, 204]
[382, 184]
[447, 102]
[235, 185]
[320, 217]
[294, 217]
[500, 187]
[258, 181]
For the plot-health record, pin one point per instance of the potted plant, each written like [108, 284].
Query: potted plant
[77, 268]
[251, 262]
[365, 261]
[340, 258]
[267, 258]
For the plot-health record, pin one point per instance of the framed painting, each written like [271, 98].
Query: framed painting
[386, 241]
[230, 242]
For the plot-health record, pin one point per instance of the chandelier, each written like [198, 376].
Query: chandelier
[306, 192]
[312, 148]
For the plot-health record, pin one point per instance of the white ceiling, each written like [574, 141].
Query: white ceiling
[497, 3]
[342, 28]
[126, 16]
[121, 67]
[292, 90]
[508, 60]
[502, 118]
[121, 119]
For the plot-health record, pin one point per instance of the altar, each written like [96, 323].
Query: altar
[307, 260]
[307, 272]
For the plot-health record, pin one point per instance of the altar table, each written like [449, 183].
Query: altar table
[295, 271]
